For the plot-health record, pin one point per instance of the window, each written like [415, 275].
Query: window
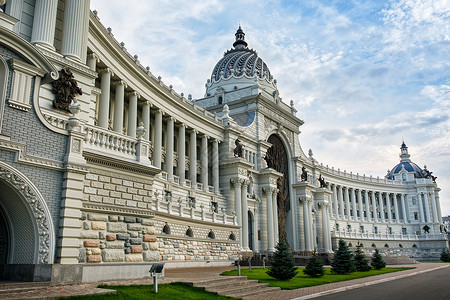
[404, 176]
[375, 229]
[400, 245]
[214, 207]
[414, 200]
[404, 231]
[374, 246]
[167, 196]
[232, 236]
[386, 245]
[349, 228]
[191, 202]
[211, 235]
[337, 227]
[220, 99]
[416, 216]
[189, 232]
[390, 230]
[361, 228]
[166, 229]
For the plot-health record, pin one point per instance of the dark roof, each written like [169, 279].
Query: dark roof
[409, 167]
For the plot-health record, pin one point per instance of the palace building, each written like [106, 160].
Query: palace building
[104, 169]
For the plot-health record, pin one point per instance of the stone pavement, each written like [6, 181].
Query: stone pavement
[199, 274]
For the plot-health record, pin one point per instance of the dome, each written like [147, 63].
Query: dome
[405, 164]
[240, 67]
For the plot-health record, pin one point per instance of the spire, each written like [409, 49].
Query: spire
[240, 39]
[404, 155]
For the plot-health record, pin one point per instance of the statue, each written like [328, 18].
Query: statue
[238, 150]
[304, 176]
[426, 228]
[65, 89]
[322, 182]
[428, 174]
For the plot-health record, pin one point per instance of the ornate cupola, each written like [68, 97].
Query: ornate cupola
[240, 39]
[404, 156]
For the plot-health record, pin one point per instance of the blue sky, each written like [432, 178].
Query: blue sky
[363, 74]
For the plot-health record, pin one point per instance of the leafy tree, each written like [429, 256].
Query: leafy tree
[343, 260]
[361, 262]
[282, 264]
[377, 260]
[445, 255]
[314, 267]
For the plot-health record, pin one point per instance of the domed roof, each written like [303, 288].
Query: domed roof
[240, 61]
[405, 163]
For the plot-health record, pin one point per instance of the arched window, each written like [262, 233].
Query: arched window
[166, 229]
[211, 235]
[4, 73]
[220, 99]
[400, 245]
[414, 246]
[350, 244]
[189, 232]
[362, 245]
[374, 246]
[404, 176]
[386, 245]
[232, 236]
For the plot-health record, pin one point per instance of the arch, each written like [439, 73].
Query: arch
[374, 246]
[386, 245]
[28, 216]
[232, 236]
[277, 158]
[189, 232]
[4, 75]
[400, 245]
[350, 244]
[211, 235]
[166, 229]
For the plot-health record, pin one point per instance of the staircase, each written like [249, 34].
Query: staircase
[399, 260]
[19, 290]
[234, 286]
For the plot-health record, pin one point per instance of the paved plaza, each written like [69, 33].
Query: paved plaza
[199, 274]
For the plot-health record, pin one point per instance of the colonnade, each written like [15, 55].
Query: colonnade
[272, 217]
[375, 206]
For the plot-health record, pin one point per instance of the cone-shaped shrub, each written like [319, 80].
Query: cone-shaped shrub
[445, 255]
[377, 260]
[343, 260]
[282, 264]
[314, 267]
[361, 262]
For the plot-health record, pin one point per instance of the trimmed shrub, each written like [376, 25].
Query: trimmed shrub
[445, 255]
[377, 260]
[282, 264]
[343, 260]
[314, 267]
[361, 262]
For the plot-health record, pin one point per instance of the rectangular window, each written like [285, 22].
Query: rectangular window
[361, 228]
[337, 227]
[214, 207]
[416, 216]
[414, 200]
[376, 229]
[191, 202]
[349, 228]
[404, 231]
[390, 230]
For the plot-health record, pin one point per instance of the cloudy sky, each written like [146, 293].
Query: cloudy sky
[363, 74]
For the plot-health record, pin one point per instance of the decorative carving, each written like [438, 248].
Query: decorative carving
[65, 89]
[427, 174]
[238, 150]
[38, 207]
[426, 229]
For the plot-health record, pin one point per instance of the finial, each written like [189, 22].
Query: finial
[240, 42]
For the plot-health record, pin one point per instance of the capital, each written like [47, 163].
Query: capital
[134, 94]
[120, 82]
[93, 55]
[106, 70]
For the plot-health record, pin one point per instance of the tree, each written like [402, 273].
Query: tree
[314, 267]
[445, 255]
[361, 262]
[282, 264]
[377, 260]
[343, 260]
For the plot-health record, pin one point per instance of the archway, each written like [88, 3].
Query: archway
[276, 158]
[24, 215]
[250, 230]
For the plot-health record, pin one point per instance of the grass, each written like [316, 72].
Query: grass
[176, 290]
[433, 261]
[301, 280]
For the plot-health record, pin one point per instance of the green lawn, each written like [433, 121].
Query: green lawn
[433, 261]
[175, 290]
[301, 280]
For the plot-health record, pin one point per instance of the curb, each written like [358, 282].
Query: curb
[360, 285]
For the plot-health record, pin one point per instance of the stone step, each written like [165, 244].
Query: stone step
[219, 280]
[251, 286]
[21, 287]
[399, 260]
[225, 286]
[253, 292]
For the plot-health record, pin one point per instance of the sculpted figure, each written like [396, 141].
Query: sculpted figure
[65, 89]
[304, 176]
[322, 182]
[238, 150]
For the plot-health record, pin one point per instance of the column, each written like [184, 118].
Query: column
[158, 139]
[380, 202]
[335, 199]
[118, 106]
[146, 119]
[306, 225]
[325, 229]
[92, 61]
[341, 203]
[353, 196]
[405, 217]
[388, 207]
[103, 110]
[182, 153]
[215, 166]
[269, 192]
[132, 113]
[438, 206]
[169, 149]
[328, 234]
[422, 216]
[244, 215]
[329, 199]
[360, 206]
[433, 205]
[374, 207]
[72, 40]
[275, 216]
[347, 203]
[204, 162]
[44, 23]
[193, 158]
[237, 205]
[366, 197]
[255, 231]
[397, 217]
[427, 208]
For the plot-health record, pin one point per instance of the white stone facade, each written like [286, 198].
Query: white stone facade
[133, 172]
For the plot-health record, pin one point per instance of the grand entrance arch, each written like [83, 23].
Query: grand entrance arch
[276, 158]
[27, 227]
